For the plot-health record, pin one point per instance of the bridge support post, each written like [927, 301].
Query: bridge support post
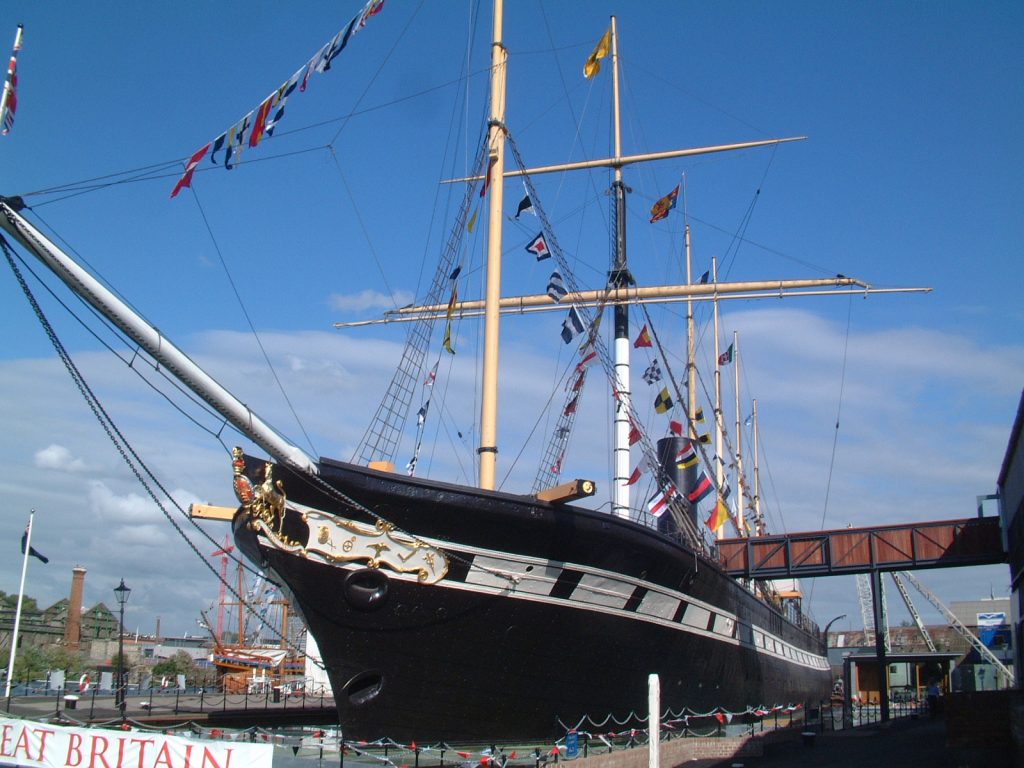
[878, 605]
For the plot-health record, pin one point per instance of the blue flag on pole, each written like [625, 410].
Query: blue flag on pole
[31, 550]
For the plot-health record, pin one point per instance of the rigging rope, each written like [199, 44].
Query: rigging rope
[128, 454]
[678, 507]
[249, 322]
[835, 434]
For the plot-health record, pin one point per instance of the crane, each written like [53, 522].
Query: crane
[913, 611]
[867, 613]
[224, 553]
[960, 628]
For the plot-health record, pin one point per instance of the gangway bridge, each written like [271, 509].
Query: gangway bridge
[906, 547]
[873, 551]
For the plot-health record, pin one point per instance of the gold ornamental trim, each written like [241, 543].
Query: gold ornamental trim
[339, 540]
[331, 538]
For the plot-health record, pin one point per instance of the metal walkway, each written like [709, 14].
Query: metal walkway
[909, 547]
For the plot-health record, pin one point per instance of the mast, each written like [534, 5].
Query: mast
[619, 277]
[758, 517]
[691, 342]
[719, 418]
[146, 335]
[488, 449]
[739, 436]
[240, 575]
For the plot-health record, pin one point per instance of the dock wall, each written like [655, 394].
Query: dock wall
[678, 752]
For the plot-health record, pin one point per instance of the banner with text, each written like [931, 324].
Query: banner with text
[29, 743]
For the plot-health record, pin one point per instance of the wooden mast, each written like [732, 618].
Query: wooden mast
[719, 419]
[740, 497]
[758, 517]
[691, 340]
[492, 293]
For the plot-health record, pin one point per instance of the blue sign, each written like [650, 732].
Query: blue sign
[572, 744]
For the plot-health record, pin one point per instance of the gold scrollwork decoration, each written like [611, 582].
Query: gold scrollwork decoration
[379, 546]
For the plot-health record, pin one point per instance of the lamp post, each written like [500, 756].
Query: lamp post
[121, 592]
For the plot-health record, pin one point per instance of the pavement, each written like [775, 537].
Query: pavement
[906, 743]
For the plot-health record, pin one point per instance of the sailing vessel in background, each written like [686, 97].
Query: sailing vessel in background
[262, 651]
[448, 611]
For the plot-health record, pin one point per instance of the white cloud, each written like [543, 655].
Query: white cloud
[58, 457]
[368, 299]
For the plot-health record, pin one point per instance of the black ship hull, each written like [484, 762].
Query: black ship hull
[544, 615]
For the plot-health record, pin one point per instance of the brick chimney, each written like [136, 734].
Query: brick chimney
[73, 625]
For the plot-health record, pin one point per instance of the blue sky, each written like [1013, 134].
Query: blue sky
[909, 177]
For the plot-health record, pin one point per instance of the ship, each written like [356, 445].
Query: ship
[447, 611]
[263, 653]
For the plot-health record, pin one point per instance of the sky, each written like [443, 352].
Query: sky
[908, 177]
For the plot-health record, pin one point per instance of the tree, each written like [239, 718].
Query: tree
[32, 662]
[29, 663]
[60, 657]
[179, 664]
[11, 602]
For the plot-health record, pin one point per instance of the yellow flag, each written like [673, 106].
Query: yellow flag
[448, 326]
[718, 517]
[448, 338]
[593, 65]
[472, 222]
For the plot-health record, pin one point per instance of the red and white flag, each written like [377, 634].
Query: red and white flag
[9, 103]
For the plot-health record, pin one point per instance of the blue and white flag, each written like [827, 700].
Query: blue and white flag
[525, 206]
[572, 326]
[653, 372]
[556, 288]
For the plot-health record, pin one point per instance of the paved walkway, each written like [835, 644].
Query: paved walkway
[904, 743]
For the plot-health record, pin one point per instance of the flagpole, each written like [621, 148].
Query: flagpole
[740, 483]
[21, 596]
[8, 84]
